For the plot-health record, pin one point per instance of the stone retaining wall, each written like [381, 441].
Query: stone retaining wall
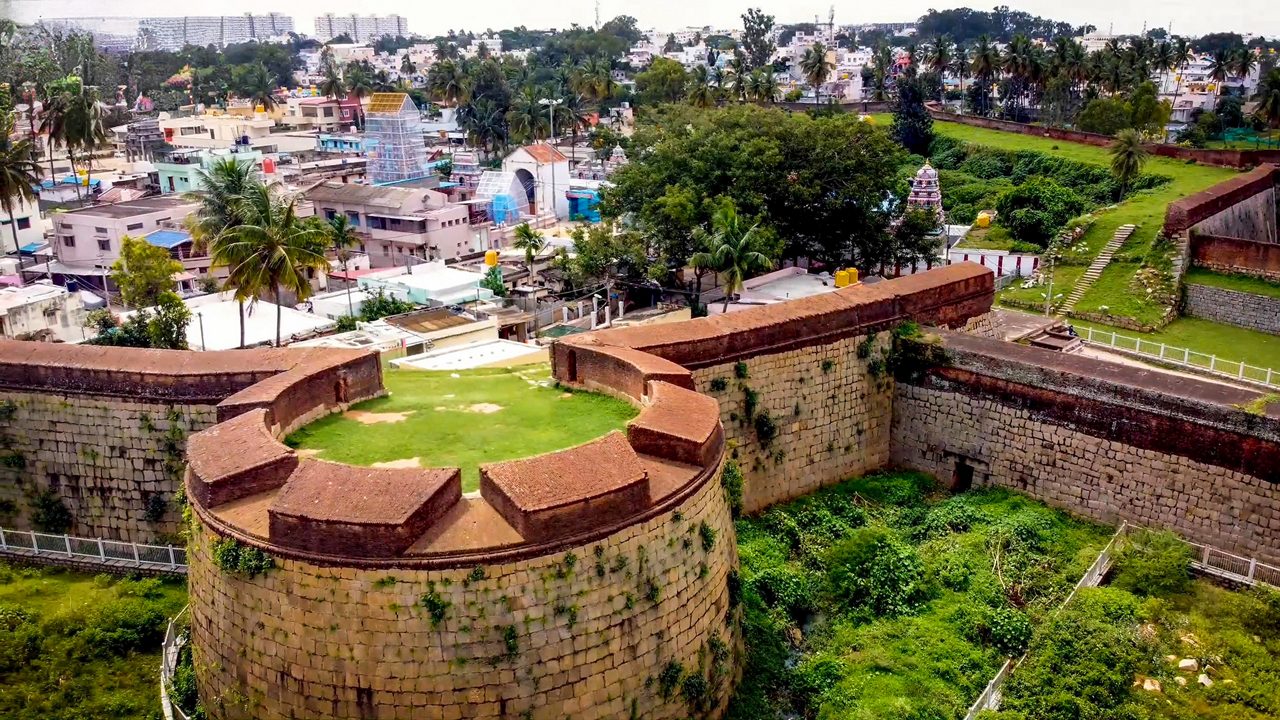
[1256, 312]
[1234, 255]
[583, 633]
[1105, 441]
[114, 463]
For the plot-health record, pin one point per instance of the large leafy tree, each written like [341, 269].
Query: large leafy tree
[757, 38]
[143, 272]
[820, 184]
[912, 124]
[19, 173]
[664, 81]
[1268, 99]
[272, 249]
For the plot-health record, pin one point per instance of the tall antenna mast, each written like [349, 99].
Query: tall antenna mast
[597, 14]
[831, 23]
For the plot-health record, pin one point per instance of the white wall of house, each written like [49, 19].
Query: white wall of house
[29, 224]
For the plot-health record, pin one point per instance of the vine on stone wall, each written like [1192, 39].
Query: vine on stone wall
[48, 512]
[915, 353]
[731, 480]
[435, 604]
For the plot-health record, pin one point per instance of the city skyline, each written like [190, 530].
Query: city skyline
[1123, 18]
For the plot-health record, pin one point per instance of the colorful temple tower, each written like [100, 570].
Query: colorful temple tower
[925, 191]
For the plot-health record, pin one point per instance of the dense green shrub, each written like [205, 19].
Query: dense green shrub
[731, 479]
[1151, 562]
[874, 571]
[233, 557]
[49, 513]
[1038, 209]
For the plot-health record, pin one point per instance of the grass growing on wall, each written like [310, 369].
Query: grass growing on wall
[465, 418]
[78, 646]
[1239, 283]
[882, 598]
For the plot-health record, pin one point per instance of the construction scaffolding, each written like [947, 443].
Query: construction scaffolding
[393, 131]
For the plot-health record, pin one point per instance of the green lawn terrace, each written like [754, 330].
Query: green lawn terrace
[1115, 289]
[462, 419]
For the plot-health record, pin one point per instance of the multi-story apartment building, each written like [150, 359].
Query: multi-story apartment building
[221, 132]
[360, 28]
[179, 170]
[173, 33]
[399, 226]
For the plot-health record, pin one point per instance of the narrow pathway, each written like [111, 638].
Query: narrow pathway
[1096, 267]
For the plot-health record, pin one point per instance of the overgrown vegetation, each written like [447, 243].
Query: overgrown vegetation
[882, 598]
[233, 557]
[1155, 644]
[76, 646]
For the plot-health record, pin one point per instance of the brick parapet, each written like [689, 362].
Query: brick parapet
[1189, 211]
[1236, 256]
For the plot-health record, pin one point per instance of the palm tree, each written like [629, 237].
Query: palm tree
[595, 79]
[1243, 61]
[272, 248]
[816, 69]
[359, 80]
[1181, 57]
[526, 119]
[732, 251]
[76, 117]
[1220, 67]
[984, 64]
[531, 242]
[1128, 155]
[19, 173]
[484, 123]
[940, 58]
[332, 85]
[960, 68]
[700, 92]
[571, 113]
[407, 68]
[343, 237]
[221, 187]
[1268, 99]
[447, 82]
[1162, 58]
[259, 87]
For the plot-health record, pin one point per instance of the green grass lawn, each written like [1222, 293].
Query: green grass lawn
[1064, 278]
[82, 646]
[1229, 343]
[1240, 283]
[1145, 210]
[881, 598]
[446, 423]
[994, 237]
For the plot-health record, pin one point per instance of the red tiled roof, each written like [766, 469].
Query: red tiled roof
[545, 153]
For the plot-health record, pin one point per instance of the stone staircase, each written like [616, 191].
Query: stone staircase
[1058, 337]
[1099, 264]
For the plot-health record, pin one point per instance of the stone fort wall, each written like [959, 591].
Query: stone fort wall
[584, 632]
[1232, 307]
[1109, 442]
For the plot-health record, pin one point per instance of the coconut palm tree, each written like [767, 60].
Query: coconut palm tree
[447, 82]
[258, 87]
[961, 69]
[1162, 58]
[1243, 61]
[595, 79]
[19, 173]
[571, 114]
[531, 242]
[700, 92]
[407, 68]
[332, 85]
[939, 57]
[816, 69]
[220, 190]
[1220, 67]
[342, 236]
[985, 64]
[732, 250]
[527, 120]
[272, 248]
[77, 115]
[1268, 98]
[485, 125]
[1128, 155]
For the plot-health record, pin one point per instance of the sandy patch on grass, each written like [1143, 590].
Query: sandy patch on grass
[485, 408]
[393, 464]
[307, 452]
[373, 418]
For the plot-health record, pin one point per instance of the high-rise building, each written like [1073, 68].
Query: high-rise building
[110, 34]
[393, 134]
[173, 33]
[361, 29]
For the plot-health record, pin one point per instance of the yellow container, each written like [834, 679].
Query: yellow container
[853, 276]
[984, 220]
[842, 278]
[491, 258]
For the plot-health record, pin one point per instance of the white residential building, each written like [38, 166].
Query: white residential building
[174, 33]
[24, 228]
[41, 311]
[360, 28]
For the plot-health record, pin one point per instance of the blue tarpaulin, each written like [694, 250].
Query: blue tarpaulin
[168, 239]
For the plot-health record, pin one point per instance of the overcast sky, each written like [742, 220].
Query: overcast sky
[1128, 16]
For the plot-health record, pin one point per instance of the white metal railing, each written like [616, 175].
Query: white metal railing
[172, 647]
[1184, 357]
[117, 553]
[990, 697]
[1209, 561]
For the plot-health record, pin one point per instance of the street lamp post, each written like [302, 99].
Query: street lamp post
[551, 114]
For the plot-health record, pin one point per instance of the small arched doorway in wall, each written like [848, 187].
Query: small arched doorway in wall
[530, 184]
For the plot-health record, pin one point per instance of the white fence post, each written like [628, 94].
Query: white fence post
[1253, 567]
[66, 539]
[4, 542]
[1213, 363]
[172, 562]
[135, 551]
[102, 553]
